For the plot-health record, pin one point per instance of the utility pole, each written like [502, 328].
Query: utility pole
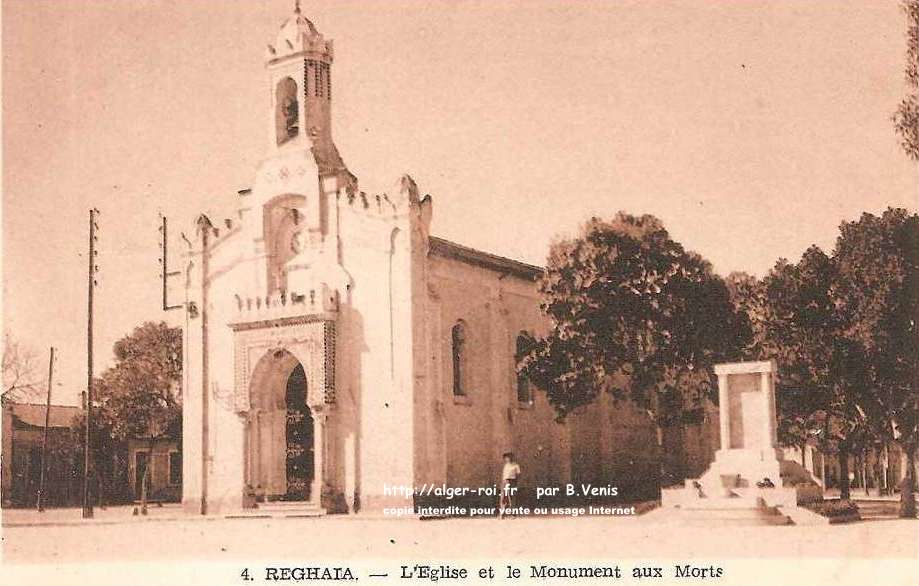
[205, 226]
[165, 273]
[87, 436]
[44, 438]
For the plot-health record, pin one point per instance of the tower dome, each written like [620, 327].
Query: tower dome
[299, 36]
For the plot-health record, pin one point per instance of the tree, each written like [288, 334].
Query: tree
[748, 296]
[138, 397]
[906, 118]
[141, 388]
[635, 314]
[844, 329]
[21, 381]
[794, 412]
[878, 258]
[823, 385]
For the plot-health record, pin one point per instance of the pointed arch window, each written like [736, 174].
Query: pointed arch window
[524, 388]
[458, 345]
[287, 110]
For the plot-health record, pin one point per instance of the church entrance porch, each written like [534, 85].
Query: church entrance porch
[284, 396]
[284, 434]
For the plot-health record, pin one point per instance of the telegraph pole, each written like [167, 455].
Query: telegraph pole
[44, 438]
[205, 225]
[165, 273]
[87, 436]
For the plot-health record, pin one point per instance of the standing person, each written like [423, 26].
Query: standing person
[510, 474]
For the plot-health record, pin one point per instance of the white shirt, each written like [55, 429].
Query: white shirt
[511, 471]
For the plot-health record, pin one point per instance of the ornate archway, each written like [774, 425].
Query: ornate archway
[284, 447]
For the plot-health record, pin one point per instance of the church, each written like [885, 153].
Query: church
[338, 354]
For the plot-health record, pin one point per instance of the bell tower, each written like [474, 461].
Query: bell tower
[299, 65]
[291, 212]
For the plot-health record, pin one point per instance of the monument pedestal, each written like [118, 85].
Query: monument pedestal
[737, 483]
[746, 466]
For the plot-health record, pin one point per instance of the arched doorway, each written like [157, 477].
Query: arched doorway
[300, 463]
[281, 431]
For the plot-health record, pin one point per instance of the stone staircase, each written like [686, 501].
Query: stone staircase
[735, 500]
[727, 510]
[281, 509]
[878, 508]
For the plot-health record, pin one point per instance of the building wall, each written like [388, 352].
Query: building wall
[366, 254]
[160, 485]
[472, 431]
[6, 468]
[21, 465]
[608, 442]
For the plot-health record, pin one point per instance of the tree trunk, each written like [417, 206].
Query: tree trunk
[662, 465]
[804, 454]
[907, 493]
[844, 473]
[144, 482]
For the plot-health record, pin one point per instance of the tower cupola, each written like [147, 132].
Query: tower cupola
[299, 64]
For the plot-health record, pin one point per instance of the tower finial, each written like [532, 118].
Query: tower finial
[297, 6]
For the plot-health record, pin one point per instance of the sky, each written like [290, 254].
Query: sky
[752, 129]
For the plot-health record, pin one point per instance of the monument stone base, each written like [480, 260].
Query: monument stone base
[745, 483]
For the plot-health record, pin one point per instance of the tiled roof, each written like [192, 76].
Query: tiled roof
[486, 260]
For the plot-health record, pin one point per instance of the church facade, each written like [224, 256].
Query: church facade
[337, 353]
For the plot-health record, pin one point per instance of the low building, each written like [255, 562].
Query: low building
[162, 460]
[23, 428]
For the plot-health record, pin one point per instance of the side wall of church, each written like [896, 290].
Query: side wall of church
[470, 432]
[229, 266]
[610, 442]
[615, 443]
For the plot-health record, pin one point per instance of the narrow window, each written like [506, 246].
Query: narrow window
[524, 389]
[458, 338]
[287, 110]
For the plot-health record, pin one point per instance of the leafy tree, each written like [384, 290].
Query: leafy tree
[844, 330]
[822, 383]
[906, 118]
[138, 397]
[635, 314]
[748, 296]
[141, 389]
[878, 258]
[795, 410]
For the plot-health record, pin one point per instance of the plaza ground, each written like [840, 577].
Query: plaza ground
[167, 534]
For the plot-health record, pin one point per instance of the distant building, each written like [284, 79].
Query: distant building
[163, 460]
[23, 425]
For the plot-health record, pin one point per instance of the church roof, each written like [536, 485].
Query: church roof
[448, 249]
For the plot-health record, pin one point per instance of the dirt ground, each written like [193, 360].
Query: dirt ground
[354, 537]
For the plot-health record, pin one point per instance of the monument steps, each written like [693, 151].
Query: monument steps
[730, 515]
[290, 509]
